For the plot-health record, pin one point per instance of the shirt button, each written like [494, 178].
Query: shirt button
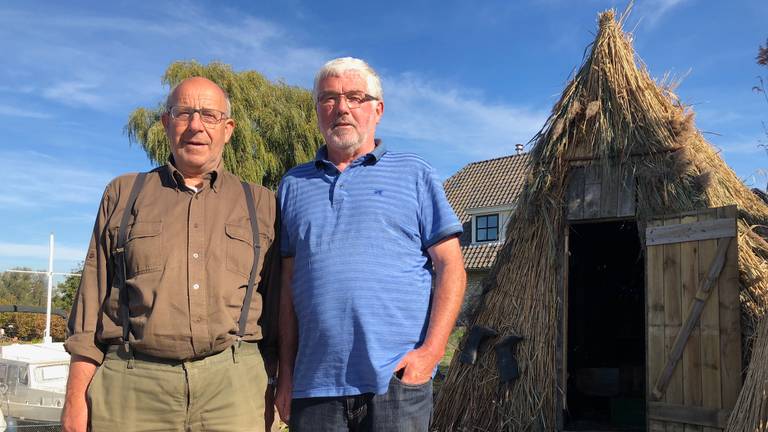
[195, 225]
[341, 186]
[195, 286]
[195, 255]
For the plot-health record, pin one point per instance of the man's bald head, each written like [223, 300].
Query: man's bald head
[171, 99]
[196, 129]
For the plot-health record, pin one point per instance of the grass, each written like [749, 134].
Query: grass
[450, 350]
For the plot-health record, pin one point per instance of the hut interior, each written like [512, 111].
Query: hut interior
[605, 355]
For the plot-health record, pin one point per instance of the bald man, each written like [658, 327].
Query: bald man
[172, 325]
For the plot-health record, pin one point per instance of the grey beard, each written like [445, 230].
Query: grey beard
[346, 143]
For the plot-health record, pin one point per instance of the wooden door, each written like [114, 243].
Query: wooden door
[693, 347]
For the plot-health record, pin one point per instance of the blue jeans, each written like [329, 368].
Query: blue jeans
[403, 408]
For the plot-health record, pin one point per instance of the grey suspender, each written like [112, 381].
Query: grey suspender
[256, 246]
[120, 276]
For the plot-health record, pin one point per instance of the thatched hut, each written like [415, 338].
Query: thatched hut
[634, 270]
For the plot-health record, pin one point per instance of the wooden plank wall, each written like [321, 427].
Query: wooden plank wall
[654, 300]
[691, 361]
[710, 329]
[707, 379]
[730, 320]
[591, 196]
[673, 318]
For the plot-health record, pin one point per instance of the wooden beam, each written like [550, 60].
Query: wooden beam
[623, 157]
[654, 304]
[709, 417]
[702, 230]
[730, 322]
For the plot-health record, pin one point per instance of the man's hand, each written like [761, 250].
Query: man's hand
[417, 365]
[74, 416]
[283, 398]
[446, 302]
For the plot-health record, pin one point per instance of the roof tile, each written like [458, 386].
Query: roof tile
[489, 183]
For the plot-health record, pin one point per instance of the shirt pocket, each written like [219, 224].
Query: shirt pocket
[144, 248]
[239, 249]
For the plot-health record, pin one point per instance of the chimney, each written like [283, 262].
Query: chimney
[519, 148]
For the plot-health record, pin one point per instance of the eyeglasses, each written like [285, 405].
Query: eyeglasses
[354, 99]
[207, 115]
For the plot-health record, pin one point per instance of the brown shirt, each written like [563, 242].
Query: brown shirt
[188, 258]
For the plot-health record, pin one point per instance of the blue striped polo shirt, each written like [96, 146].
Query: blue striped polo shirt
[362, 276]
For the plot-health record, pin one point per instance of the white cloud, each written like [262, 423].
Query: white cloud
[76, 93]
[117, 72]
[654, 10]
[41, 181]
[6, 110]
[740, 144]
[122, 67]
[20, 250]
[456, 120]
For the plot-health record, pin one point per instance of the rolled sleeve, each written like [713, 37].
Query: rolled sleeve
[85, 319]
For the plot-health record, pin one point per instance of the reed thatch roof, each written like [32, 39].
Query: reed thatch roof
[613, 113]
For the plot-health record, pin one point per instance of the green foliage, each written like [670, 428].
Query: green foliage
[26, 289]
[65, 292]
[450, 350]
[31, 326]
[276, 123]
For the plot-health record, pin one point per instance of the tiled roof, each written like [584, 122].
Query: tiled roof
[489, 183]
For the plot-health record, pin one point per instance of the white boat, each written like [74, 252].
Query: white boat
[33, 381]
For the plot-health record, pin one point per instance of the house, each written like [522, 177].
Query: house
[483, 195]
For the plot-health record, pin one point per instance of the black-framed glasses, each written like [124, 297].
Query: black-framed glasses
[354, 99]
[207, 115]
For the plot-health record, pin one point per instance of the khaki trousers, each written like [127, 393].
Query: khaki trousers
[223, 392]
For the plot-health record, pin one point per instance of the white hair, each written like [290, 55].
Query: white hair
[337, 67]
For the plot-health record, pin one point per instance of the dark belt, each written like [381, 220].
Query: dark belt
[137, 355]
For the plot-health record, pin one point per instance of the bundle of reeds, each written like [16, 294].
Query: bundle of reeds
[614, 113]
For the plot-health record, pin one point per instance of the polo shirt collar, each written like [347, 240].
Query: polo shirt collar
[321, 157]
[177, 178]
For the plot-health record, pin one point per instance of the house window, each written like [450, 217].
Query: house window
[487, 228]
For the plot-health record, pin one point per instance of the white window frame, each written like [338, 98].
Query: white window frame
[504, 211]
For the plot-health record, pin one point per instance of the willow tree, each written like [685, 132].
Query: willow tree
[276, 123]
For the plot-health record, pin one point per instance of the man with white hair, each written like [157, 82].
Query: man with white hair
[363, 229]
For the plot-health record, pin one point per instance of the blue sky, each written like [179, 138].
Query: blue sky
[463, 81]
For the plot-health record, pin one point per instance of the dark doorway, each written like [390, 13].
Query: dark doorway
[606, 328]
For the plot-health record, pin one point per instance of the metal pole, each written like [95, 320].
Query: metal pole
[47, 334]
